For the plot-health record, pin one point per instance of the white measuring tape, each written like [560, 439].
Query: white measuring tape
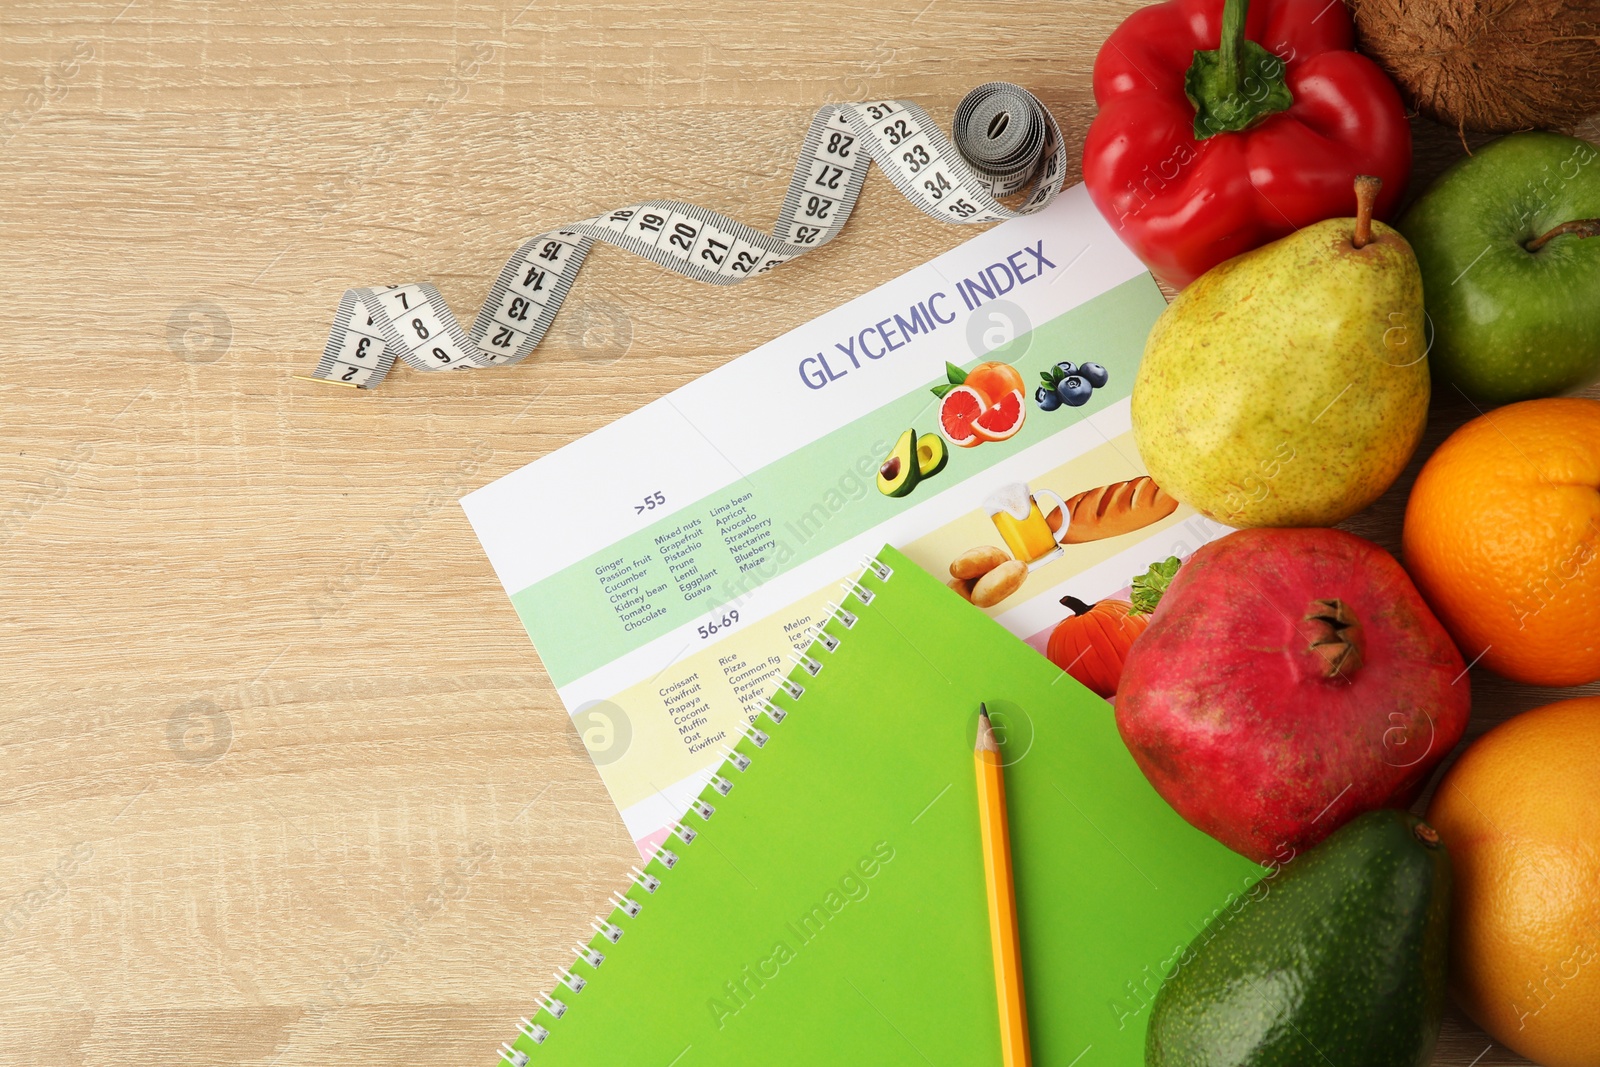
[1003, 139]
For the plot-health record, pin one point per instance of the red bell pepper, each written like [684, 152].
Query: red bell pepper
[1225, 126]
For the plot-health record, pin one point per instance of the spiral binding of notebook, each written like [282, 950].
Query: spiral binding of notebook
[536, 1029]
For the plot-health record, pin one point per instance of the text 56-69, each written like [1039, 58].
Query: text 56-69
[709, 628]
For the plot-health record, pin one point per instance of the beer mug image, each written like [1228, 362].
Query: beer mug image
[1018, 516]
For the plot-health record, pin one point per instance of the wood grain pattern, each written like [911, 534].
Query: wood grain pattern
[283, 782]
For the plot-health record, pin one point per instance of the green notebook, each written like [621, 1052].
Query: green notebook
[831, 908]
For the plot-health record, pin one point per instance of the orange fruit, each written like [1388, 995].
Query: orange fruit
[994, 380]
[1502, 535]
[1520, 814]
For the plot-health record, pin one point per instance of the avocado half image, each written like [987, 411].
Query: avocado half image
[1336, 958]
[900, 472]
[932, 454]
[912, 459]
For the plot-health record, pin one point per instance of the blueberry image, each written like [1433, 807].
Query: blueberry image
[1047, 399]
[1095, 373]
[1066, 367]
[1075, 391]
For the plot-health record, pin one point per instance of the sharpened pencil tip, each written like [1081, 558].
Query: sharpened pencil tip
[985, 741]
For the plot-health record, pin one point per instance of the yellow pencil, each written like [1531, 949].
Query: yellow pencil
[1002, 896]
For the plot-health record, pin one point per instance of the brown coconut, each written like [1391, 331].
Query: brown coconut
[1490, 65]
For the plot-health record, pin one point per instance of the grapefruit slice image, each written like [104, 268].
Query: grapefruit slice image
[1003, 420]
[960, 409]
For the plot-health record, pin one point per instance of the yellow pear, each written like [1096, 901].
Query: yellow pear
[1289, 386]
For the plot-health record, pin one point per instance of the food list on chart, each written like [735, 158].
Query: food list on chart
[742, 678]
[676, 572]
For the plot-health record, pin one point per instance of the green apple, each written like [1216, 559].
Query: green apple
[1511, 282]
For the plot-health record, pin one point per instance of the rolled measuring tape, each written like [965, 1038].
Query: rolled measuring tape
[1004, 140]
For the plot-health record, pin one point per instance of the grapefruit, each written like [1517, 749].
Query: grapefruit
[961, 407]
[994, 380]
[1003, 419]
[1520, 814]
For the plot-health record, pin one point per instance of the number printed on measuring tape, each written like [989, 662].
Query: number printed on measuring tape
[1003, 141]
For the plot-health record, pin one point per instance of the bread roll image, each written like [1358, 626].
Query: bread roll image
[976, 562]
[962, 586]
[999, 583]
[1110, 510]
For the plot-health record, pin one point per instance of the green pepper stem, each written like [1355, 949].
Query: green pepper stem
[1237, 84]
[1577, 227]
[1228, 46]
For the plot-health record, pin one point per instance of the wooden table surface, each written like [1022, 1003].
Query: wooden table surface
[281, 779]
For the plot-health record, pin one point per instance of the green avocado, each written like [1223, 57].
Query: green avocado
[1336, 957]
[900, 472]
[932, 455]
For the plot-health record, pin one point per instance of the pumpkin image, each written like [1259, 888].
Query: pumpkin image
[1091, 643]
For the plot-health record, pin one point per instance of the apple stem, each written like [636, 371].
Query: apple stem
[1577, 227]
[1367, 187]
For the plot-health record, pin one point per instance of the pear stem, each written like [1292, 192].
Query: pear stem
[1577, 227]
[1367, 188]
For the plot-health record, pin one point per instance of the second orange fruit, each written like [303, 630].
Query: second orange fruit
[1502, 535]
[1520, 814]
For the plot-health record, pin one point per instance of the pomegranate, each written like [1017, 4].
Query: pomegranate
[1289, 681]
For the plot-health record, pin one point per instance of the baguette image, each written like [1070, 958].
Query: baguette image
[1114, 509]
